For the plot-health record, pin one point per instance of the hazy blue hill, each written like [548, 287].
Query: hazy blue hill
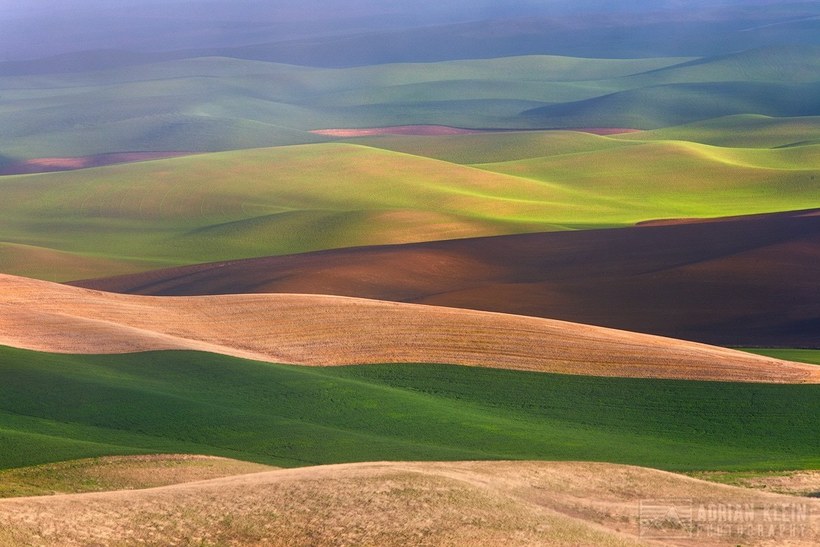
[208, 104]
[770, 64]
[220, 103]
[367, 32]
[676, 104]
[747, 130]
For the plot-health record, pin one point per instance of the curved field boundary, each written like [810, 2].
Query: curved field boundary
[742, 281]
[332, 330]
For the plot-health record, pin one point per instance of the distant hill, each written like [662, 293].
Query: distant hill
[207, 104]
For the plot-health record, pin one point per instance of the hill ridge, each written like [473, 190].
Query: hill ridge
[335, 330]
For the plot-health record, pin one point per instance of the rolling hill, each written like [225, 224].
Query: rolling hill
[746, 131]
[465, 503]
[674, 104]
[57, 407]
[222, 206]
[213, 101]
[329, 330]
[744, 281]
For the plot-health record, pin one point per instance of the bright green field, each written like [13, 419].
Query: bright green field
[58, 407]
[800, 355]
[221, 206]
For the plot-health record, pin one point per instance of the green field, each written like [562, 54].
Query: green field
[799, 355]
[58, 407]
[728, 135]
[228, 205]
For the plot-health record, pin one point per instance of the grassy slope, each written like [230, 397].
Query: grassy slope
[294, 199]
[679, 179]
[799, 355]
[118, 473]
[259, 202]
[194, 402]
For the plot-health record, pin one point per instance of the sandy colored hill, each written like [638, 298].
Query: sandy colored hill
[330, 330]
[741, 281]
[461, 503]
[119, 473]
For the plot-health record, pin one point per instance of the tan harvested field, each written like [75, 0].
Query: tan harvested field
[119, 473]
[331, 330]
[461, 503]
[740, 281]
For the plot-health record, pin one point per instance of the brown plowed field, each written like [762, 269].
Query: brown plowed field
[742, 281]
[332, 330]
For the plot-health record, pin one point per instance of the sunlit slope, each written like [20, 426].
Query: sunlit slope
[271, 201]
[330, 330]
[681, 179]
[395, 504]
[57, 407]
[293, 199]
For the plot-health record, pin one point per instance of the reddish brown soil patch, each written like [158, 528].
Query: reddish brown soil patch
[749, 281]
[439, 130]
[45, 165]
[604, 130]
[420, 130]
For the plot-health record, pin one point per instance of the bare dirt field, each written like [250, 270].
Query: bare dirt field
[332, 330]
[459, 503]
[420, 130]
[741, 281]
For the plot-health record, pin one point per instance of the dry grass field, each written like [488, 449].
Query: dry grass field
[461, 503]
[119, 473]
[330, 330]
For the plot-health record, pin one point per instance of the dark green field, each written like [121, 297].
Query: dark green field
[57, 407]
